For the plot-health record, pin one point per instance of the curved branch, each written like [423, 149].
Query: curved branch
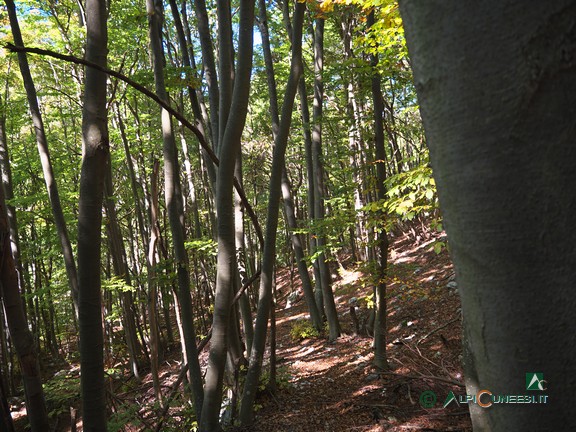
[139, 87]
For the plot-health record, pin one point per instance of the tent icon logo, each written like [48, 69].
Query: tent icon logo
[535, 381]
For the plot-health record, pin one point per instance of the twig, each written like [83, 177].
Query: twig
[394, 407]
[417, 352]
[438, 329]
[409, 394]
[449, 413]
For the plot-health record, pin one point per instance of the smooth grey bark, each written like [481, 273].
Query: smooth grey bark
[133, 180]
[226, 258]
[197, 227]
[95, 149]
[44, 153]
[305, 113]
[318, 173]
[356, 141]
[9, 194]
[242, 274]
[152, 283]
[289, 211]
[20, 333]
[212, 84]
[174, 204]
[195, 96]
[307, 135]
[120, 267]
[190, 52]
[209, 65]
[269, 254]
[225, 66]
[380, 358]
[187, 62]
[496, 81]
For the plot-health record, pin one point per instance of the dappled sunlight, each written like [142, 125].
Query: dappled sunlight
[295, 317]
[336, 385]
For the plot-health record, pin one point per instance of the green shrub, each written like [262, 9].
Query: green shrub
[61, 392]
[303, 329]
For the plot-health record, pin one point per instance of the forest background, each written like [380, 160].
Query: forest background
[317, 114]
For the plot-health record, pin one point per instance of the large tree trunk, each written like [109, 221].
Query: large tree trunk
[497, 88]
[95, 148]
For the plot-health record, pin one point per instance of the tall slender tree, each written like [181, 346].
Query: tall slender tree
[42, 143]
[269, 255]
[228, 150]
[380, 359]
[17, 324]
[287, 194]
[95, 148]
[174, 204]
[318, 180]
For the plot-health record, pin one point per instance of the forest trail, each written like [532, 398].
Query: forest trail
[333, 387]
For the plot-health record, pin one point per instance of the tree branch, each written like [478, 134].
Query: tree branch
[201, 139]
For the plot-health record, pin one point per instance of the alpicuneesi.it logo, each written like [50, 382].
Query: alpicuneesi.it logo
[485, 398]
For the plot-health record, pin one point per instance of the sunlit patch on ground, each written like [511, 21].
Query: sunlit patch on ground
[334, 387]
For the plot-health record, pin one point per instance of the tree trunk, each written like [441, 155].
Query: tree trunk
[9, 194]
[174, 205]
[19, 331]
[95, 148]
[318, 167]
[229, 147]
[42, 143]
[209, 65]
[291, 220]
[118, 255]
[498, 101]
[241, 274]
[355, 140]
[380, 360]
[269, 255]
[6, 424]
[152, 282]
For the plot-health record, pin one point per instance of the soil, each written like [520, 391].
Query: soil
[333, 386]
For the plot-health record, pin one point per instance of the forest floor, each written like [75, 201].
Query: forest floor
[333, 387]
[328, 386]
